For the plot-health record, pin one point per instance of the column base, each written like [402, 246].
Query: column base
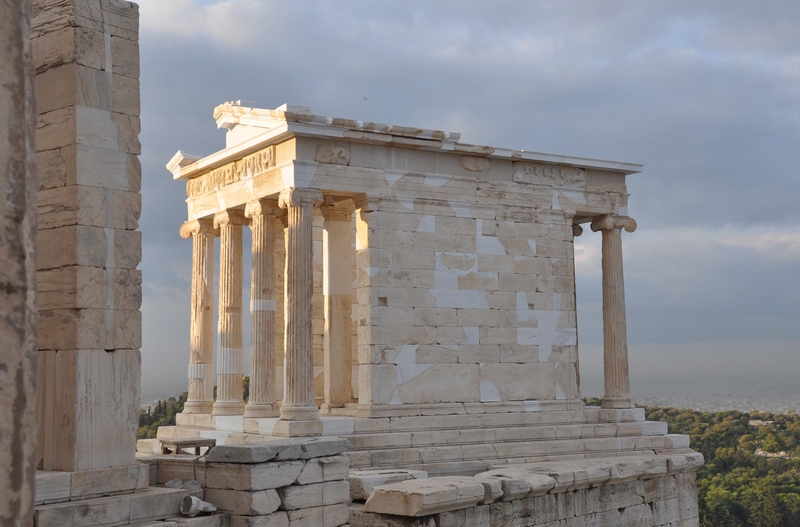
[198, 407]
[284, 428]
[260, 410]
[619, 402]
[228, 408]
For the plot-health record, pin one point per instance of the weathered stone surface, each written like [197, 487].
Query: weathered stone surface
[423, 497]
[323, 469]
[244, 503]
[276, 519]
[327, 516]
[69, 44]
[102, 482]
[279, 449]
[314, 495]
[271, 475]
[363, 481]
[52, 487]
[77, 379]
[492, 489]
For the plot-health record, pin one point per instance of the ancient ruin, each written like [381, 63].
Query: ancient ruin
[413, 334]
[416, 296]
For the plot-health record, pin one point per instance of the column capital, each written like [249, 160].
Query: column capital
[201, 226]
[577, 230]
[262, 207]
[297, 197]
[613, 221]
[364, 203]
[337, 210]
[229, 217]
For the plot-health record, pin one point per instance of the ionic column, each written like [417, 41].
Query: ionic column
[577, 230]
[299, 415]
[615, 340]
[262, 310]
[230, 356]
[337, 291]
[201, 328]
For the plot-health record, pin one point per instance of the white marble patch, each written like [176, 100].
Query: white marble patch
[395, 398]
[532, 406]
[393, 176]
[445, 280]
[532, 245]
[573, 195]
[436, 180]
[229, 423]
[559, 392]
[407, 354]
[265, 425]
[473, 335]
[220, 436]
[487, 244]
[461, 209]
[489, 392]
[334, 426]
[406, 202]
[406, 372]
[262, 305]
[220, 199]
[427, 224]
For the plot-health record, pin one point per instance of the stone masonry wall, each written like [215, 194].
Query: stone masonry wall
[17, 266]
[87, 61]
[280, 483]
[637, 490]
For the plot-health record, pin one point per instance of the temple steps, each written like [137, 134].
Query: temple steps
[140, 508]
[467, 444]
[472, 451]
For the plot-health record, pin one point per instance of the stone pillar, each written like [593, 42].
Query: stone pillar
[89, 246]
[337, 291]
[262, 310]
[230, 355]
[17, 267]
[299, 414]
[201, 329]
[577, 230]
[615, 340]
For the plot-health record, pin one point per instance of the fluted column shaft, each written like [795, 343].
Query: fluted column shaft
[262, 310]
[230, 355]
[299, 415]
[337, 291]
[615, 340]
[201, 329]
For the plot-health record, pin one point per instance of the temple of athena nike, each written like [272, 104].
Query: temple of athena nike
[413, 349]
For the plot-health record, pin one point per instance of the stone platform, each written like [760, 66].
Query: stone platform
[462, 443]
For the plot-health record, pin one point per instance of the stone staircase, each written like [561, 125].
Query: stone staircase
[470, 443]
[503, 439]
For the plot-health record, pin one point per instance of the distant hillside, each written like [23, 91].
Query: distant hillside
[752, 473]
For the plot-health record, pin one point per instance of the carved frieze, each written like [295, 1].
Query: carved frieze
[246, 167]
[475, 164]
[333, 155]
[550, 175]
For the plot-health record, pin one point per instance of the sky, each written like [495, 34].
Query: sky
[706, 95]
